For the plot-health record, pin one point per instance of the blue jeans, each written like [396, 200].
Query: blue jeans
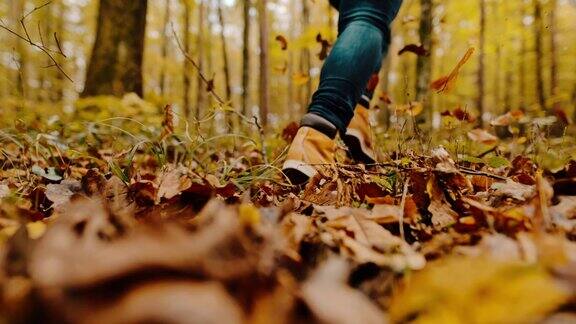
[363, 41]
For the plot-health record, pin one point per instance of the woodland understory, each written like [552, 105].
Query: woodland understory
[155, 194]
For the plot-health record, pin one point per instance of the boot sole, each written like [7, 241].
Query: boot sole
[297, 172]
[356, 151]
[296, 177]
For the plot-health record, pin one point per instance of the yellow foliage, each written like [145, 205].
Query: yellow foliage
[466, 290]
[249, 214]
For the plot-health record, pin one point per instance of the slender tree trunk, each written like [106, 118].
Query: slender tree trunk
[208, 49]
[509, 82]
[384, 90]
[291, 104]
[17, 12]
[523, 51]
[264, 62]
[165, 44]
[246, 58]
[424, 63]
[305, 59]
[61, 34]
[497, 105]
[539, 66]
[481, 69]
[116, 64]
[554, 82]
[45, 32]
[230, 122]
[187, 64]
[226, 64]
[200, 59]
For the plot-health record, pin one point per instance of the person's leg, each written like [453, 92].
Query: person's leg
[364, 37]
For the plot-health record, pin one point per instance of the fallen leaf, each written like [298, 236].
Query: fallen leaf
[172, 182]
[332, 301]
[170, 302]
[482, 136]
[514, 190]
[479, 290]
[61, 193]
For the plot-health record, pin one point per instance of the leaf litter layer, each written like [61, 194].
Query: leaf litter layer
[101, 225]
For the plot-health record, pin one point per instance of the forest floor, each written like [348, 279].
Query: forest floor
[123, 221]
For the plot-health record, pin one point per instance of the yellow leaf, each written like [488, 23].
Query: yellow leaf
[300, 79]
[413, 109]
[480, 290]
[249, 214]
[36, 229]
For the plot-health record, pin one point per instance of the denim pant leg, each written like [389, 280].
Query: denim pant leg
[364, 37]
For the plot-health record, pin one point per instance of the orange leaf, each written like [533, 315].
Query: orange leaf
[446, 83]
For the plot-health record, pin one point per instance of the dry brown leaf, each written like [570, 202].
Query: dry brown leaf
[170, 302]
[514, 190]
[482, 136]
[61, 193]
[442, 215]
[332, 301]
[172, 182]
[364, 240]
[76, 238]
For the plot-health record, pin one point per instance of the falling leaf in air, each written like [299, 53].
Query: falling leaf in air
[447, 83]
[416, 49]
[283, 42]
[325, 47]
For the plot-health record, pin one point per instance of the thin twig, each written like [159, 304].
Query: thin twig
[197, 67]
[481, 173]
[61, 51]
[28, 39]
[263, 144]
[402, 205]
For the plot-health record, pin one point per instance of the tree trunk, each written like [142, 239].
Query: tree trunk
[226, 64]
[497, 105]
[17, 12]
[165, 44]
[522, 61]
[246, 58]
[60, 32]
[305, 59]
[230, 122]
[187, 64]
[539, 66]
[264, 63]
[384, 93]
[116, 64]
[554, 82]
[200, 59]
[481, 69]
[424, 63]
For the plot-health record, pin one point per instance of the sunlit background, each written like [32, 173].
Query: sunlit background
[30, 85]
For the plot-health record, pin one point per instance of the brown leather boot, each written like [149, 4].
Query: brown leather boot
[309, 149]
[358, 137]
